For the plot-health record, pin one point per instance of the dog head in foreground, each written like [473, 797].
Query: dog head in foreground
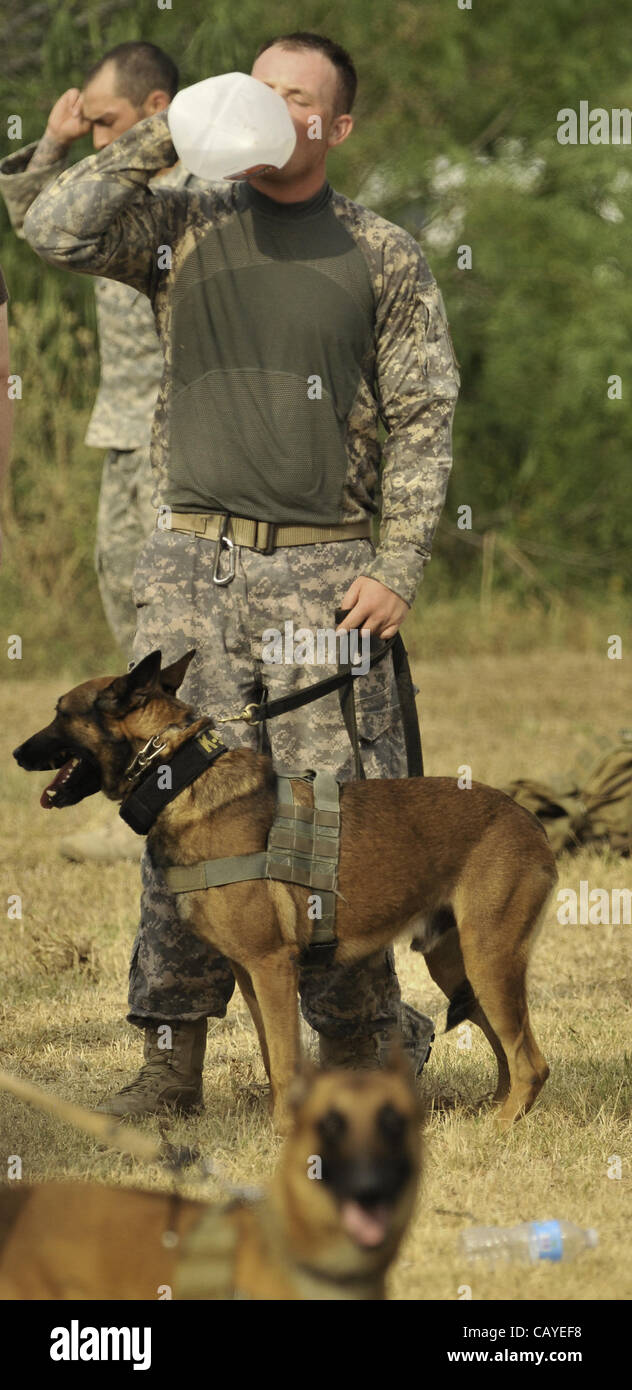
[340, 1200]
[328, 1228]
[353, 1156]
[98, 728]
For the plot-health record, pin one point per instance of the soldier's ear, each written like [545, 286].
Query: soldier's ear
[171, 677]
[134, 689]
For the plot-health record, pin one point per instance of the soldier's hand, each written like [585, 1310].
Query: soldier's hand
[373, 606]
[67, 121]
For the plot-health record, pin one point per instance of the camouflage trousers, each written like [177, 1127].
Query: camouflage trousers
[173, 974]
[125, 518]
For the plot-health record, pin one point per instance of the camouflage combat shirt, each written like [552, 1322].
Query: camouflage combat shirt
[130, 354]
[288, 331]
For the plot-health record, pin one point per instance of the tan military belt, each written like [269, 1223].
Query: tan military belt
[258, 535]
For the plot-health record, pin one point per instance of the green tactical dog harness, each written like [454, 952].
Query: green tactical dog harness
[303, 847]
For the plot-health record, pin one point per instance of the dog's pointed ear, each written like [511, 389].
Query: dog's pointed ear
[171, 677]
[135, 688]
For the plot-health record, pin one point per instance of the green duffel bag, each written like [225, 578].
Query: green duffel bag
[592, 806]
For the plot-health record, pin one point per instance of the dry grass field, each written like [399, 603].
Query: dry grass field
[63, 1000]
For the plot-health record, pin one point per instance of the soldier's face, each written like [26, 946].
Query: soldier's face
[307, 82]
[112, 114]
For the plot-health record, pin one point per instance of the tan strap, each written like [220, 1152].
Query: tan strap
[259, 535]
[214, 873]
[303, 847]
[206, 1268]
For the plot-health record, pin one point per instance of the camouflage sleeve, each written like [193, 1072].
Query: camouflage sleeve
[417, 383]
[101, 218]
[20, 185]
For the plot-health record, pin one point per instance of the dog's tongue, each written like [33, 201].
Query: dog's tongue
[367, 1228]
[46, 800]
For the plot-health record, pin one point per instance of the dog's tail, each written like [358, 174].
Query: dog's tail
[462, 1003]
[102, 1127]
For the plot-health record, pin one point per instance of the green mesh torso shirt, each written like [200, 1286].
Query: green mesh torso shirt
[289, 331]
[272, 323]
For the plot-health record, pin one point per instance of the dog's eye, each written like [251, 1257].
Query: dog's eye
[390, 1122]
[332, 1127]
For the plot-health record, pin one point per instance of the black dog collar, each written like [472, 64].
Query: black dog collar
[144, 803]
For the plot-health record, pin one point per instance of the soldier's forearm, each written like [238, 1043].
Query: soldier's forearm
[20, 182]
[49, 151]
[412, 503]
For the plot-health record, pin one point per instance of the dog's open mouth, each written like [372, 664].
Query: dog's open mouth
[368, 1226]
[76, 778]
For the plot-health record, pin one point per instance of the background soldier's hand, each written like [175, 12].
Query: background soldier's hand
[373, 606]
[67, 121]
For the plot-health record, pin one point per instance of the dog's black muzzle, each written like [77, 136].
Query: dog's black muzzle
[41, 752]
[368, 1181]
[78, 774]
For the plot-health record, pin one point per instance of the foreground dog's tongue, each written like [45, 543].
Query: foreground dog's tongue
[47, 799]
[367, 1228]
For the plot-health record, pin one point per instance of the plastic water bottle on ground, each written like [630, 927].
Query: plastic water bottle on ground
[528, 1243]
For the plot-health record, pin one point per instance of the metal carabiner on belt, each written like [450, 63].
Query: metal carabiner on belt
[229, 545]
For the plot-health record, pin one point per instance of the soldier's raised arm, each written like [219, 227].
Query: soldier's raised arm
[417, 384]
[21, 184]
[26, 172]
[100, 217]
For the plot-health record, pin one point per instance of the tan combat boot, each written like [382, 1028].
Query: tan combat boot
[170, 1078]
[369, 1052]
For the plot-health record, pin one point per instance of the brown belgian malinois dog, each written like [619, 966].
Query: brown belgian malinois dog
[466, 872]
[328, 1228]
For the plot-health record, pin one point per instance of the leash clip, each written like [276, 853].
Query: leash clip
[144, 757]
[246, 715]
[229, 545]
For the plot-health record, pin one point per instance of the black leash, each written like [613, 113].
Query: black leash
[344, 683]
[148, 797]
[408, 709]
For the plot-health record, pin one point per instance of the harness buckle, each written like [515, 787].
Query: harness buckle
[318, 954]
[229, 545]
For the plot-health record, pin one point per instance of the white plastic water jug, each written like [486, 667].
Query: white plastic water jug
[230, 126]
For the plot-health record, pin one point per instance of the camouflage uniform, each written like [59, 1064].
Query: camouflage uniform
[173, 975]
[125, 517]
[209, 455]
[131, 368]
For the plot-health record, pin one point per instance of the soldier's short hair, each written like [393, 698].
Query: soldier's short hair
[141, 68]
[347, 76]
